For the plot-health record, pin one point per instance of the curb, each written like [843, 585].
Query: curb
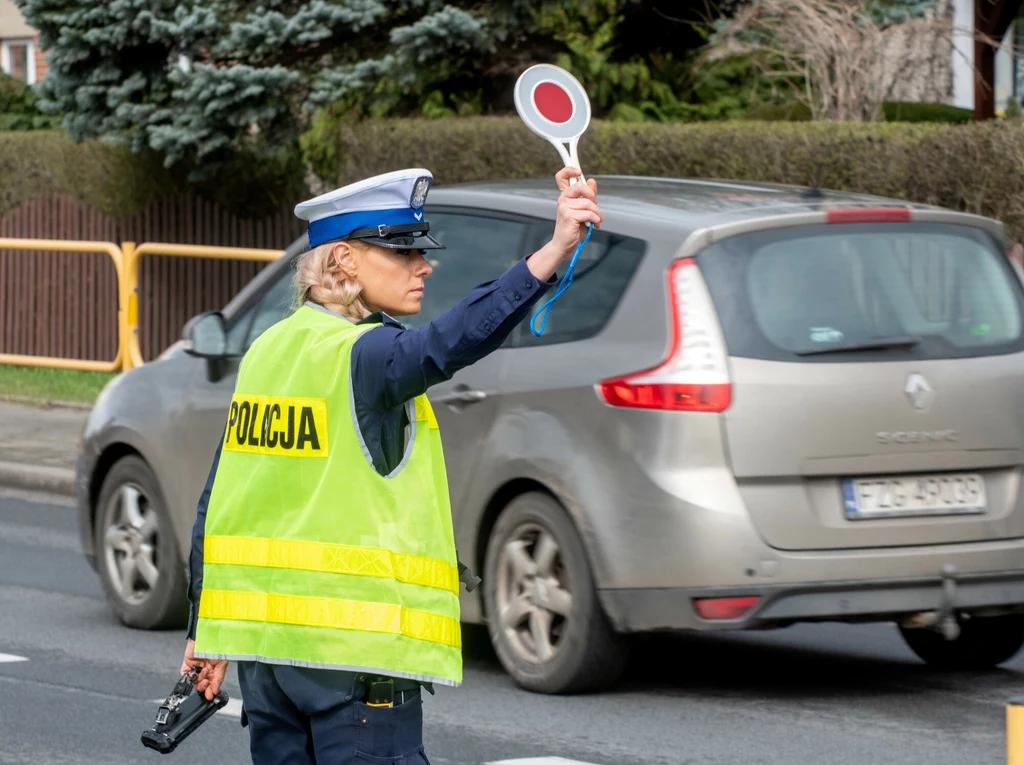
[44, 403]
[51, 480]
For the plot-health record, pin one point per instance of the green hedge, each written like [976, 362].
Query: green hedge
[794, 111]
[894, 111]
[110, 178]
[978, 167]
[908, 111]
[106, 177]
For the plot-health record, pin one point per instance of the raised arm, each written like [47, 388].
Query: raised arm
[412, 360]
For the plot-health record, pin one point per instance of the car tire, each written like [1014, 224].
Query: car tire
[983, 643]
[544, 619]
[136, 552]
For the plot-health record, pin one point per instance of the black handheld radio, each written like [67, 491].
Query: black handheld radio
[184, 710]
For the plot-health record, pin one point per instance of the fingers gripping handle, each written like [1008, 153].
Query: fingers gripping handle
[570, 158]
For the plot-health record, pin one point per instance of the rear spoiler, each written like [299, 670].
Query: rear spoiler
[704, 237]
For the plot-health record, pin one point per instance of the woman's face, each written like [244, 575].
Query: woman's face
[392, 280]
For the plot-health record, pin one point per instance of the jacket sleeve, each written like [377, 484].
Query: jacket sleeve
[195, 555]
[391, 365]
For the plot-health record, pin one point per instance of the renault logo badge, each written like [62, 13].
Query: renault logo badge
[919, 392]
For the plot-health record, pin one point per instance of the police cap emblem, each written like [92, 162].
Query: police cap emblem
[419, 193]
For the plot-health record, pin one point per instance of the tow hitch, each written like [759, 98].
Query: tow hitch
[943, 620]
[945, 617]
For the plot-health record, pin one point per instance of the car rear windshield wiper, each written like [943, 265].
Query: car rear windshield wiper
[875, 344]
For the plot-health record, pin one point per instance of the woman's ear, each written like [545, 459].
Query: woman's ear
[343, 256]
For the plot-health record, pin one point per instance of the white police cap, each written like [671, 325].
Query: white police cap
[386, 210]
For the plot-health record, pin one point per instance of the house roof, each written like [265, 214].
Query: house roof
[12, 23]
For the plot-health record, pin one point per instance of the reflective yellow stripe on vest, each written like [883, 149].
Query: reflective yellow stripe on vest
[333, 559]
[330, 612]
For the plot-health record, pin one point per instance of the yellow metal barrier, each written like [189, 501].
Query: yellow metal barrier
[133, 256]
[1015, 732]
[126, 259]
[61, 245]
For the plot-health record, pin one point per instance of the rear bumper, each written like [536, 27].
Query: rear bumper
[663, 609]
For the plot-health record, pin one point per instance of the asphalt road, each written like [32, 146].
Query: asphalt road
[76, 687]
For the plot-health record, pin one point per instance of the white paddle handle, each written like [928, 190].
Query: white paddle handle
[569, 157]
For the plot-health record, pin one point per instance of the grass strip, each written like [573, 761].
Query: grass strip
[45, 385]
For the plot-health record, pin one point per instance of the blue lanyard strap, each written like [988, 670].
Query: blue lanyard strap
[562, 286]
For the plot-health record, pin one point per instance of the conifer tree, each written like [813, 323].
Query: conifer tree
[199, 79]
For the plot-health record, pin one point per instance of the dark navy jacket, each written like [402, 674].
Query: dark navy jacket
[391, 364]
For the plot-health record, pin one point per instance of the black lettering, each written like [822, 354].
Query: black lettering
[274, 411]
[288, 443]
[243, 423]
[307, 429]
[253, 441]
[232, 417]
[266, 426]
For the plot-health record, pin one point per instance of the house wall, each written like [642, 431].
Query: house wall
[14, 27]
[12, 23]
[963, 54]
[938, 67]
[41, 67]
[918, 63]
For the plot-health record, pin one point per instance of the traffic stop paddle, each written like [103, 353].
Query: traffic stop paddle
[555, 106]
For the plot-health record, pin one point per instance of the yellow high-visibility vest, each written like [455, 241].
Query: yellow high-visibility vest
[312, 558]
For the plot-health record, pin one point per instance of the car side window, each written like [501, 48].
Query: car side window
[479, 249]
[602, 273]
[274, 305]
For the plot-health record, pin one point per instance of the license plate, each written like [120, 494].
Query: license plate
[902, 496]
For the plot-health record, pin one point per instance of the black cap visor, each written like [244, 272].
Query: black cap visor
[408, 236]
[400, 242]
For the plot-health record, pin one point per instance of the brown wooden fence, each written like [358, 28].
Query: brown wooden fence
[65, 304]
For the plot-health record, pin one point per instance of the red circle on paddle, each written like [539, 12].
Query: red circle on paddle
[553, 102]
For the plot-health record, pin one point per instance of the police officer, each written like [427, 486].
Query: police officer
[323, 557]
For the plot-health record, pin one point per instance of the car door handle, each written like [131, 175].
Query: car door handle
[462, 394]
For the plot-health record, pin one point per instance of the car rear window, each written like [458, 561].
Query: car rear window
[933, 290]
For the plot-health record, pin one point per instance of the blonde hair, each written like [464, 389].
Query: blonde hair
[320, 279]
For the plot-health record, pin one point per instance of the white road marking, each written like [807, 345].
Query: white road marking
[539, 761]
[233, 709]
[8, 658]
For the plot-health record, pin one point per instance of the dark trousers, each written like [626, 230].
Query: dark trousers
[302, 716]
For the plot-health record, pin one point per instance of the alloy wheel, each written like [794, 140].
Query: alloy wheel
[131, 544]
[533, 597]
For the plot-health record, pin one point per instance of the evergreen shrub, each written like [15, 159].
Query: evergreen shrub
[977, 168]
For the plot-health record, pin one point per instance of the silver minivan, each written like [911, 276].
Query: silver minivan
[757, 405]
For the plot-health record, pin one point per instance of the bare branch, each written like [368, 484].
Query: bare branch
[851, 63]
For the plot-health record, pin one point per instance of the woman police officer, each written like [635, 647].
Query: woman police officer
[323, 556]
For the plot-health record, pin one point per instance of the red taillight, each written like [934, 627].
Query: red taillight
[721, 609]
[869, 215]
[693, 377]
[676, 397]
